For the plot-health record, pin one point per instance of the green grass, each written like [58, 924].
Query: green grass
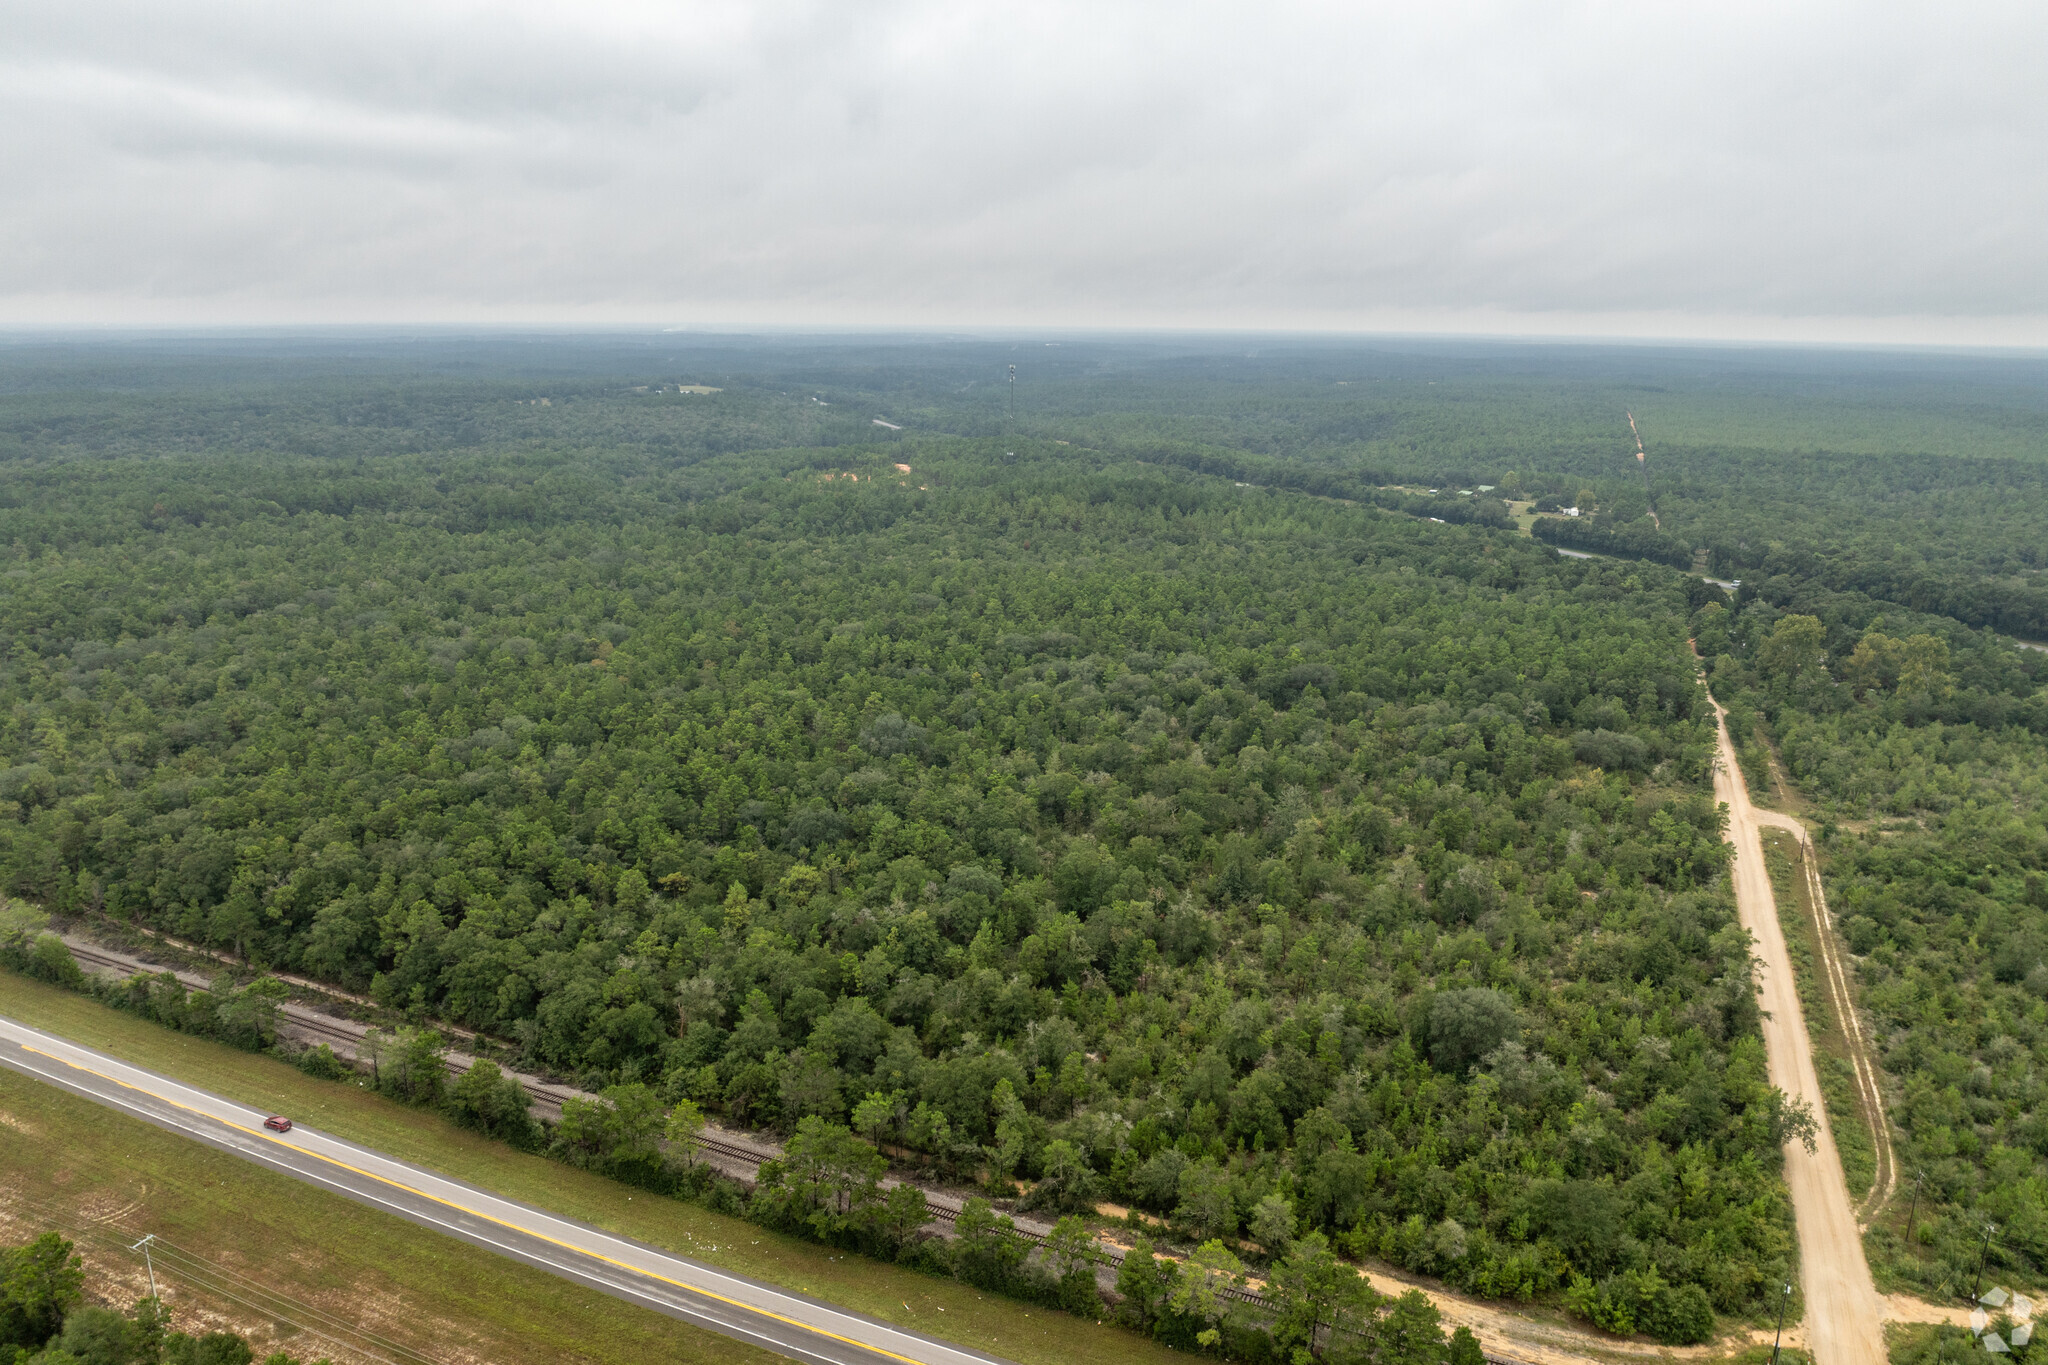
[943, 1308]
[1923, 1342]
[103, 1179]
[1846, 1119]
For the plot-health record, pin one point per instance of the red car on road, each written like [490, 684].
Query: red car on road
[277, 1123]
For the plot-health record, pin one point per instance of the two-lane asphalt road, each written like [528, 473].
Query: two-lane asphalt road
[791, 1325]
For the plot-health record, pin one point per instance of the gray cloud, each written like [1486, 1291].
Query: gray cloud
[1845, 169]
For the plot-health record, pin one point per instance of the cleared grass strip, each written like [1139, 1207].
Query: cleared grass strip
[1027, 1334]
[296, 1267]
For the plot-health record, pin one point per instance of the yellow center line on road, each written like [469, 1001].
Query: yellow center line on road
[267, 1136]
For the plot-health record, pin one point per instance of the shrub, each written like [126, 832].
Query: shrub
[1610, 750]
[986, 1253]
[50, 960]
[1465, 1025]
[492, 1103]
[321, 1062]
[1678, 1315]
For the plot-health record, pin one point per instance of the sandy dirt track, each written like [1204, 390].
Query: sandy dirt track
[1835, 979]
[1844, 1314]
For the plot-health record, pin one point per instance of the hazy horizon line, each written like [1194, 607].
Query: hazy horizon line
[2024, 336]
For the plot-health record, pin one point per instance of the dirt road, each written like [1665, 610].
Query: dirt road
[1844, 1315]
[1835, 981]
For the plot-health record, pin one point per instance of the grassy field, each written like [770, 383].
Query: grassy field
[941, 1307]
[255, 1251]
[1784, 859]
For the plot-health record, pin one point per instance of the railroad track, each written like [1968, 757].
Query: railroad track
[321, 1026]
[335, 1031]
[93, 957]
[734, 1150]
[351, 1036]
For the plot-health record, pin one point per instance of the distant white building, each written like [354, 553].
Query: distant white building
[1569, 511]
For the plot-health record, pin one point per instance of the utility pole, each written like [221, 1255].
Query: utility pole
[1913, 1207]
[1990, 1230]
[143, 1247]
[1783, 1299]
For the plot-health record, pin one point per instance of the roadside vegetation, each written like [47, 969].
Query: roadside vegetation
[1847, 1121]
[1947, 1344]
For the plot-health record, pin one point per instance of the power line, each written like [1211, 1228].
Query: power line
[174, 1254]
[213, 1278]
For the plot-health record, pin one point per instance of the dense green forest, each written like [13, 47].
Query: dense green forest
[1141, 794]
[1921, 480]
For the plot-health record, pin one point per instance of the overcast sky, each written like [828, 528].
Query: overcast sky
[1851, 171]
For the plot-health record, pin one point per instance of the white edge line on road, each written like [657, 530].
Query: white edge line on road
[492, 1218]
[453, 1229]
